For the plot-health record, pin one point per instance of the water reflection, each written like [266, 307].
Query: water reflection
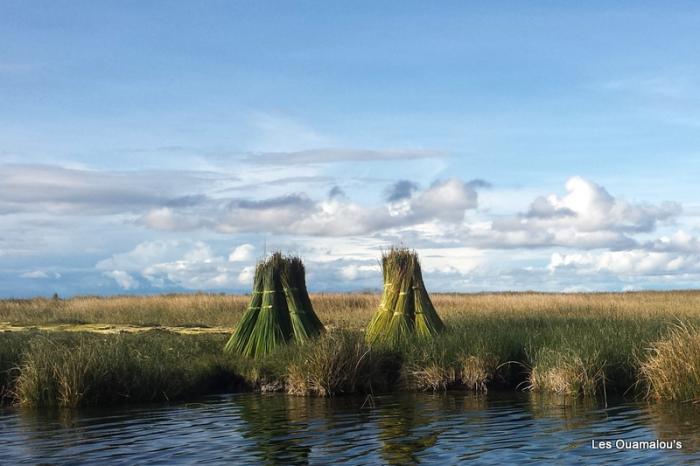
[572, 413]
[677, 421]
[274, 422]
[406, 428]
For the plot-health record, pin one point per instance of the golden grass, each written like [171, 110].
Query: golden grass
[346, 310]
[565, 373]
[338, 362]
[573, 344]
[112, 329]
[672, 370]
[431, 377]
[477, 371]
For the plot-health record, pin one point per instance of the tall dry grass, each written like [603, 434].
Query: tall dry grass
[68, 370]
[581, 345]
[349, 310]
[671, 370]
[340, 362]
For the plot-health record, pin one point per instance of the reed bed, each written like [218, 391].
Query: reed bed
[340, 363]
[671, 371]
[579, 345]
[347, 310]
[67, 370]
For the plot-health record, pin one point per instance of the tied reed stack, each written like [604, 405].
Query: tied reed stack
[405, 309]
[280, 309]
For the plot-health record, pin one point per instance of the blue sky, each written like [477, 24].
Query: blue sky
[166, 146]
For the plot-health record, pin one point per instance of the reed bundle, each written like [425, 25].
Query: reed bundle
[280, 309]
[405, 309]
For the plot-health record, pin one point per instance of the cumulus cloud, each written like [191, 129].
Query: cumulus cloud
[186, 264]
[680, 241]
[336, 191]
[479, 183]
[586, 217]
[242, 253]
[123, 279]
[198, 268]
[402, 189]
[633, 262]
[456, 260]
[445, 200]
[297, 214]
[145, 254]
[169, 219]
[353, 272]
[589, 207]
[245, 277]
[593, 231]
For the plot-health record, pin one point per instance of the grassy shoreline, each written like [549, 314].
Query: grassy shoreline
[581, 345]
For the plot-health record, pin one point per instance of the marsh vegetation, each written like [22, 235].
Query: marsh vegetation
[581, 345]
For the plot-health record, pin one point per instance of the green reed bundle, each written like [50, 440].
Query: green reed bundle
[305, 323]
[427, 321]
[240, 339]
[280, 309]
[405, 309]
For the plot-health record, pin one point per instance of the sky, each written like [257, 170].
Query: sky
[152, 147]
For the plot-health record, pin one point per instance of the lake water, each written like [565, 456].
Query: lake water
[403, 428]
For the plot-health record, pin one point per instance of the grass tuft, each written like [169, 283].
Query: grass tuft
[71, 370]
[567, 373]
[477, 372]
[339, 362]
[672, 369]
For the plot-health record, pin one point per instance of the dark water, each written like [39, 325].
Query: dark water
[397, 429]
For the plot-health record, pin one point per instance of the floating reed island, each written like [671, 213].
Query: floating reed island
[280, 309]
[406, 310]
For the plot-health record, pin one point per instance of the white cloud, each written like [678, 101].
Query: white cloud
[57, 190]
[297, 214]
[356, 271]
[123, 279]
[165, 218]
[633, 262]
[246, 276]
[446, 200]
[242, 253]
[188, 264]
[591, 231]
[144, 254]
[462, 261]
[680, 241]
[586, 217]
[588, 207]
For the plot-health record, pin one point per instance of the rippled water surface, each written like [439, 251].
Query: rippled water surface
[393, 429]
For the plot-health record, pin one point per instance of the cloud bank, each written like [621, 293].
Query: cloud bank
[204, 230]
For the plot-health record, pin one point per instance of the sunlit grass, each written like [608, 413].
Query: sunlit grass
[72, 369]
[671, 369]
[349, 310]
[578, 345]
